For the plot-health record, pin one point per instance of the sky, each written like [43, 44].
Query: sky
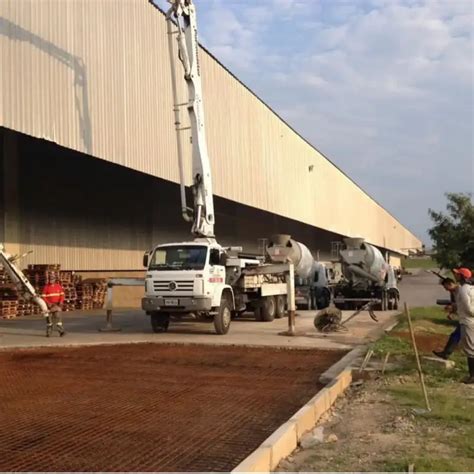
[383, 88]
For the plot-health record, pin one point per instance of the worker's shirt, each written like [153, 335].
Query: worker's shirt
[53, 293]
[462, 296]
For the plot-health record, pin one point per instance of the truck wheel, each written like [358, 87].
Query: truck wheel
[384, 302]
[268, 308]
[237, 314]
[280, 306]
[160, 322]
[324, 300]
[257, 314]
[224, 316]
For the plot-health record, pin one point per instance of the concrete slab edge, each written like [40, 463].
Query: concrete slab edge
[65, 344]
[330, 374]
[285, 439]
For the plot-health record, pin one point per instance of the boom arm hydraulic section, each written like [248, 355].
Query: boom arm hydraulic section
[20, 280]
[181, 20]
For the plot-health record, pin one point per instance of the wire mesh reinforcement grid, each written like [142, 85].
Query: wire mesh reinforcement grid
[148, 407]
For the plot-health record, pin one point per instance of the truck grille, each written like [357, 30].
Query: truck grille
[173, 285]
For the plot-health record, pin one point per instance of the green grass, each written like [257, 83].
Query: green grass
[428, 463]
[427, 264]
[431, 319]
[426, 320]
[395, 345]
[451, 421]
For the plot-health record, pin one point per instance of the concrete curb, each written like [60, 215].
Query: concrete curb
[347, 361]
[285, 439]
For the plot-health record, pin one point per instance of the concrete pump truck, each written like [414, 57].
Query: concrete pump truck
[200, 279]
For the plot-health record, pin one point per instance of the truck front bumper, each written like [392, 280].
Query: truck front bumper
[184, 304]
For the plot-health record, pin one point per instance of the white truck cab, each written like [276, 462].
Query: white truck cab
[188, 277]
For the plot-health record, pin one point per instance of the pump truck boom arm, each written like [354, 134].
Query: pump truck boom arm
[20, 280]
[181, 21]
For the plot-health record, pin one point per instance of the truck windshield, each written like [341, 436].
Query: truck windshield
[189, 257]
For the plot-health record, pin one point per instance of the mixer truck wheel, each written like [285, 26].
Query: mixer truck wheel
[223, 317]
[159, 322]
[393, 305]
[384, 305]
[268, 308]
[257, 314]
[280, 306]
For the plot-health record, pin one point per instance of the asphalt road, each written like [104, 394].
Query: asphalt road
[421, 289]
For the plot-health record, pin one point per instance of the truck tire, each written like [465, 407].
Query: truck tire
[384, 304]
[280, 306]
[393, 298]
[237, 314]
[257, 314]
[324, 299]
[268, 308]
[159, 322]
[223, 317]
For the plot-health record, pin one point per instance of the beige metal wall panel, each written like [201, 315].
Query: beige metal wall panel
[93, 76]
[395, 261]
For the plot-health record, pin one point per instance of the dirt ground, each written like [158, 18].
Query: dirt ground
[368, 431]
[424, 341]
[377, 425]
[148, 407]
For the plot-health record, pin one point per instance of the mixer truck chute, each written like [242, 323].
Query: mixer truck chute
[366, 276]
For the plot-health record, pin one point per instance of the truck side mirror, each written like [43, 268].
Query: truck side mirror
[146, 257]
[214, 257]
[223, 259]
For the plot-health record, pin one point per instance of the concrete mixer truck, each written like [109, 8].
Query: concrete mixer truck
[366, 277]
[311, 278]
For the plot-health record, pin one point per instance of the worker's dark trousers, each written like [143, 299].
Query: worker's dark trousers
[54, 319]
[470, 364]
[453, 341]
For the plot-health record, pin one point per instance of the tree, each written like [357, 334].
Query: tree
[453, 232]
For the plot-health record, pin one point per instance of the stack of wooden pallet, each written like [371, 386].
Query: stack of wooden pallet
[27, 308]
[66, 276]
[99, 290]
[85, 293]
[8, 301]
[70, 296]
[39, 275]
[4, 278]
[78, 294]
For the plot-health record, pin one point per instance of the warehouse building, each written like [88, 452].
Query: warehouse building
[88, 151]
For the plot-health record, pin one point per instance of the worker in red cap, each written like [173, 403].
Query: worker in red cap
[53, 295]
[462, 275]
[464, 307]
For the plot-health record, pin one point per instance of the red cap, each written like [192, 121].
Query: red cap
[464, 272]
